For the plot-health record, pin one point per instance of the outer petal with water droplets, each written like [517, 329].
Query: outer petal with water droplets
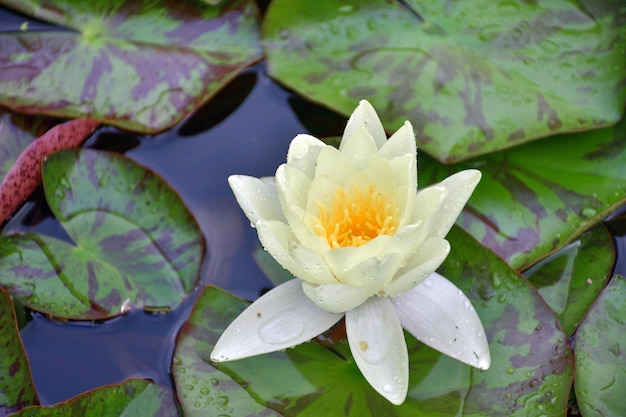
[378, 347]
[258, 198]
[438, 314]
[282, 318]
[303, 153]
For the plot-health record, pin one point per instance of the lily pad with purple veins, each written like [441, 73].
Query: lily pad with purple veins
[133, 243]
[139, 66]
[536, 198]
[16, 384]
[600, 350]
[133, 397]
[472, 76]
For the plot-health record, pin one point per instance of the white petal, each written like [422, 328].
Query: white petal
[427, 259]
[374, 273]
[400, 143]
[336, 298]
[303, 153]
[378, 347]
[277, 237]
[460, 187]
[438, 314]
[314, 267]
[282, 318]
[258, 198]
[292, 186]
[365, 115]
[333, 164]
[359, 148]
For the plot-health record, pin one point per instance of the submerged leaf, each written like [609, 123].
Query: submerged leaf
[571, 278]
[472, 78]
[136, 244]
[139, 66]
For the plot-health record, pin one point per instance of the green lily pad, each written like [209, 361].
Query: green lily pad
[473, 78]
[570, 280]
[600, 351]
[531, 370]
[538, 197]
[139, 66]
[133, 397]
[135, 243]
[17, 131]
[16, 384]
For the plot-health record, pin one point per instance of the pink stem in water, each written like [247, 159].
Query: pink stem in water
[25, 175]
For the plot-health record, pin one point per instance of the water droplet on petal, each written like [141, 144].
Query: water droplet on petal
[388, 388]
[428, 283]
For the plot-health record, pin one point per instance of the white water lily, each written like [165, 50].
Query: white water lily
[363, 243]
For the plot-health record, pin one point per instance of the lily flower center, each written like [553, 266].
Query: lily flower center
[356, 218]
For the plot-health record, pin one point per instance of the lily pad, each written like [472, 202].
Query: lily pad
[16, 384]
[17, 131]
[538, 197]
[570, 279]
[139, 66]
[473, 78]
[600, 351]
[135, 243]
[531, 367]
[133, 397]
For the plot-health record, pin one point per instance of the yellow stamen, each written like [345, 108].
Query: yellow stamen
[356, 218]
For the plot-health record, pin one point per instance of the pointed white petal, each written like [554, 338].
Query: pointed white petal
[378, 347]
[427, 259]
[258, 198]
[359, 148]
[336, 298]
[282, 318]
[460, 187]
[303, 153]
[365, 115]
[333, 165]
[400, 143]
[438, 314]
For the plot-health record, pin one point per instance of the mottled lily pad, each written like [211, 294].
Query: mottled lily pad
[133, 397]
[473, 78]
[600, 350]
[571, 278]
[531, 369]
[538, 197]
[140, 66]
[134, 243]
[17, 131]
[16, 384]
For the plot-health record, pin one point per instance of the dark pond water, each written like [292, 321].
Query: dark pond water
[245, 130]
